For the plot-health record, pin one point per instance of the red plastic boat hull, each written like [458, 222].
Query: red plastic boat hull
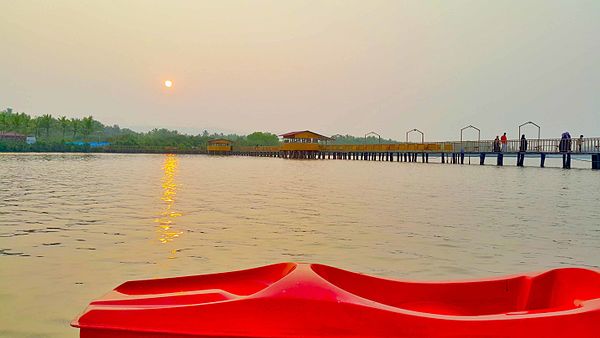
[313, 300]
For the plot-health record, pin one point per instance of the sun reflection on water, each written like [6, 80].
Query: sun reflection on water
[166, 220]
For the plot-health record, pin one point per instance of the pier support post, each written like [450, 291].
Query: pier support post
[482, 159]
[462, 158]
[443, 158]
[596, 161]
[500, 159]
[427, 158]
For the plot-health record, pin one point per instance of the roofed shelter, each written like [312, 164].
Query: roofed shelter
[219, 146]
[305, 136]
[302, 144]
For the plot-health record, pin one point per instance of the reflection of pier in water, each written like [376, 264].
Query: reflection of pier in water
[166, 219]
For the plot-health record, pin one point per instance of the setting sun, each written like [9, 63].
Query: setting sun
[168, 83]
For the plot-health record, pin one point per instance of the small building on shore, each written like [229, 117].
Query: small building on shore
[302, 144]
[219, 146]
[12, 136]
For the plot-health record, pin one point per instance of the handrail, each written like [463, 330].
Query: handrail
[553, 145]
[550, 145]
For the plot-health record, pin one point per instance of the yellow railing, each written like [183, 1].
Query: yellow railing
[409, 147]
[584, 145]
[271, 149]
[388, 147]
[218, 148]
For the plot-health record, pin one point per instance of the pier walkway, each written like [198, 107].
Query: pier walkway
[449, 152]
[308, 145]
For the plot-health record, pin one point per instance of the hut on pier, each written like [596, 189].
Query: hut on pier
[302, 144]
[219, 146]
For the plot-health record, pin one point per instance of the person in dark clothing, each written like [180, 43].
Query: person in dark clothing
[523, 146]
[496, 145]
[562, 146]
[565, 143]
[522, 150]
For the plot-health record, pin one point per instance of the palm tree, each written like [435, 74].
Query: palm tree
[75, 123]
[88, 126]
[25, 122]
[64, 124]
[15, 122]
[36, 124]
[46, 121]
[3, 121]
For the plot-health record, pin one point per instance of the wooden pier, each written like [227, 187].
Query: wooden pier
[310, 145]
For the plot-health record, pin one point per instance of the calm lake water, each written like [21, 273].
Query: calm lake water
[74, 226]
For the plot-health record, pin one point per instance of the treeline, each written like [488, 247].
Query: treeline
[349, 139]
[65, 134]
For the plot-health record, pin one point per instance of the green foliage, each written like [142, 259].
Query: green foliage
[75, 126]
[349, 139]
[261, 139]
[54, 134]
[64, 124]
[88, 126]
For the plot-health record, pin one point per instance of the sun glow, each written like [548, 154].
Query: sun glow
[168, 83]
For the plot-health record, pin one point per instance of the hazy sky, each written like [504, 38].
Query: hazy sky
[329, 66]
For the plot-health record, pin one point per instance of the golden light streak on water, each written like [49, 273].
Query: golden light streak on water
[166, 220]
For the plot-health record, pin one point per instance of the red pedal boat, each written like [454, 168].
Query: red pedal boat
[314, 300]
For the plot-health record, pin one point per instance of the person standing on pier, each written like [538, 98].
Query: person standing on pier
[504, 141]
[565, 142]
[579, 143]
[562, 146]
[496, 144]
[523, 145]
